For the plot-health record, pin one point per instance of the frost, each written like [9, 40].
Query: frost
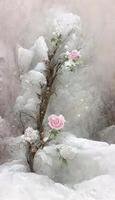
[40, 67]
[31, 186]
[16, 183]
[31, 105]
[25, 57]
[40, 49]
[36, 78]
[28, 101]
[30, 135]
[68, 167]
[90, 157]
[67, 152]
[67, 22]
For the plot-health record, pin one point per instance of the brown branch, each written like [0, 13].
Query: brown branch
[46, 92]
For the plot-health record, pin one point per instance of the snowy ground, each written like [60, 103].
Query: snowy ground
[93, 170]
[21, 186]
[70, 168]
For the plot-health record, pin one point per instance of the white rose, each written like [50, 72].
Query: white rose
[30, 135]
[67, 152]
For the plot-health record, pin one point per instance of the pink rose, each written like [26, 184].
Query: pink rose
[73, 55]
[56, 122]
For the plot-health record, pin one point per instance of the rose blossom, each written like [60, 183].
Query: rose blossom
[56, 122]
[30, 135]
[67, 152]
[73, 55]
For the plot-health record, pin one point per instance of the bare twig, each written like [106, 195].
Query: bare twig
[24, 113]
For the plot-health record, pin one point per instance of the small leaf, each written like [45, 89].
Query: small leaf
[53, 134]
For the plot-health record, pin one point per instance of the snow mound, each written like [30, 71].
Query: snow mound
[21, 186]
[84, 168]
[75, 160]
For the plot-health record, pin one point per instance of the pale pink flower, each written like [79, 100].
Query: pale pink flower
[56, 122]
[73, 55]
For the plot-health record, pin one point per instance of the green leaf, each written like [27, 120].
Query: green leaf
[53, 134]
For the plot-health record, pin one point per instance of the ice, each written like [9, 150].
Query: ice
[21, 186]
[32, 80]
[40, 67]
[24, 59]
[36, 78]
[75, 160]
[18, 185]
[99, 188]
[31, 105]
[40, 50]
[68, 22]
[80, 143]
[14, 166]
[28, 101]
[70, 167]
[83, 174]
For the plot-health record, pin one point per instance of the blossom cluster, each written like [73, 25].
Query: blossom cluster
[72, 59]
[56, 123]
[30, 135]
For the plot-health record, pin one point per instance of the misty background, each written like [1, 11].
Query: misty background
[22, 21]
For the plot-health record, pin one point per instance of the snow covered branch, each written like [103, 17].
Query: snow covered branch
[61, 53]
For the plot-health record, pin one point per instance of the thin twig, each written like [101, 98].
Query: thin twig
[22, 112]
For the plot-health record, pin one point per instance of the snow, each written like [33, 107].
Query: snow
[68, 22]
[25, 57]
[40, 67]
[67, 152]
[70, 167]
[36, 77]
[99, 188]
[31, 68]
[21, 186]
[85, 159]
[16, 184]
[40, 50]
[87, 174]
